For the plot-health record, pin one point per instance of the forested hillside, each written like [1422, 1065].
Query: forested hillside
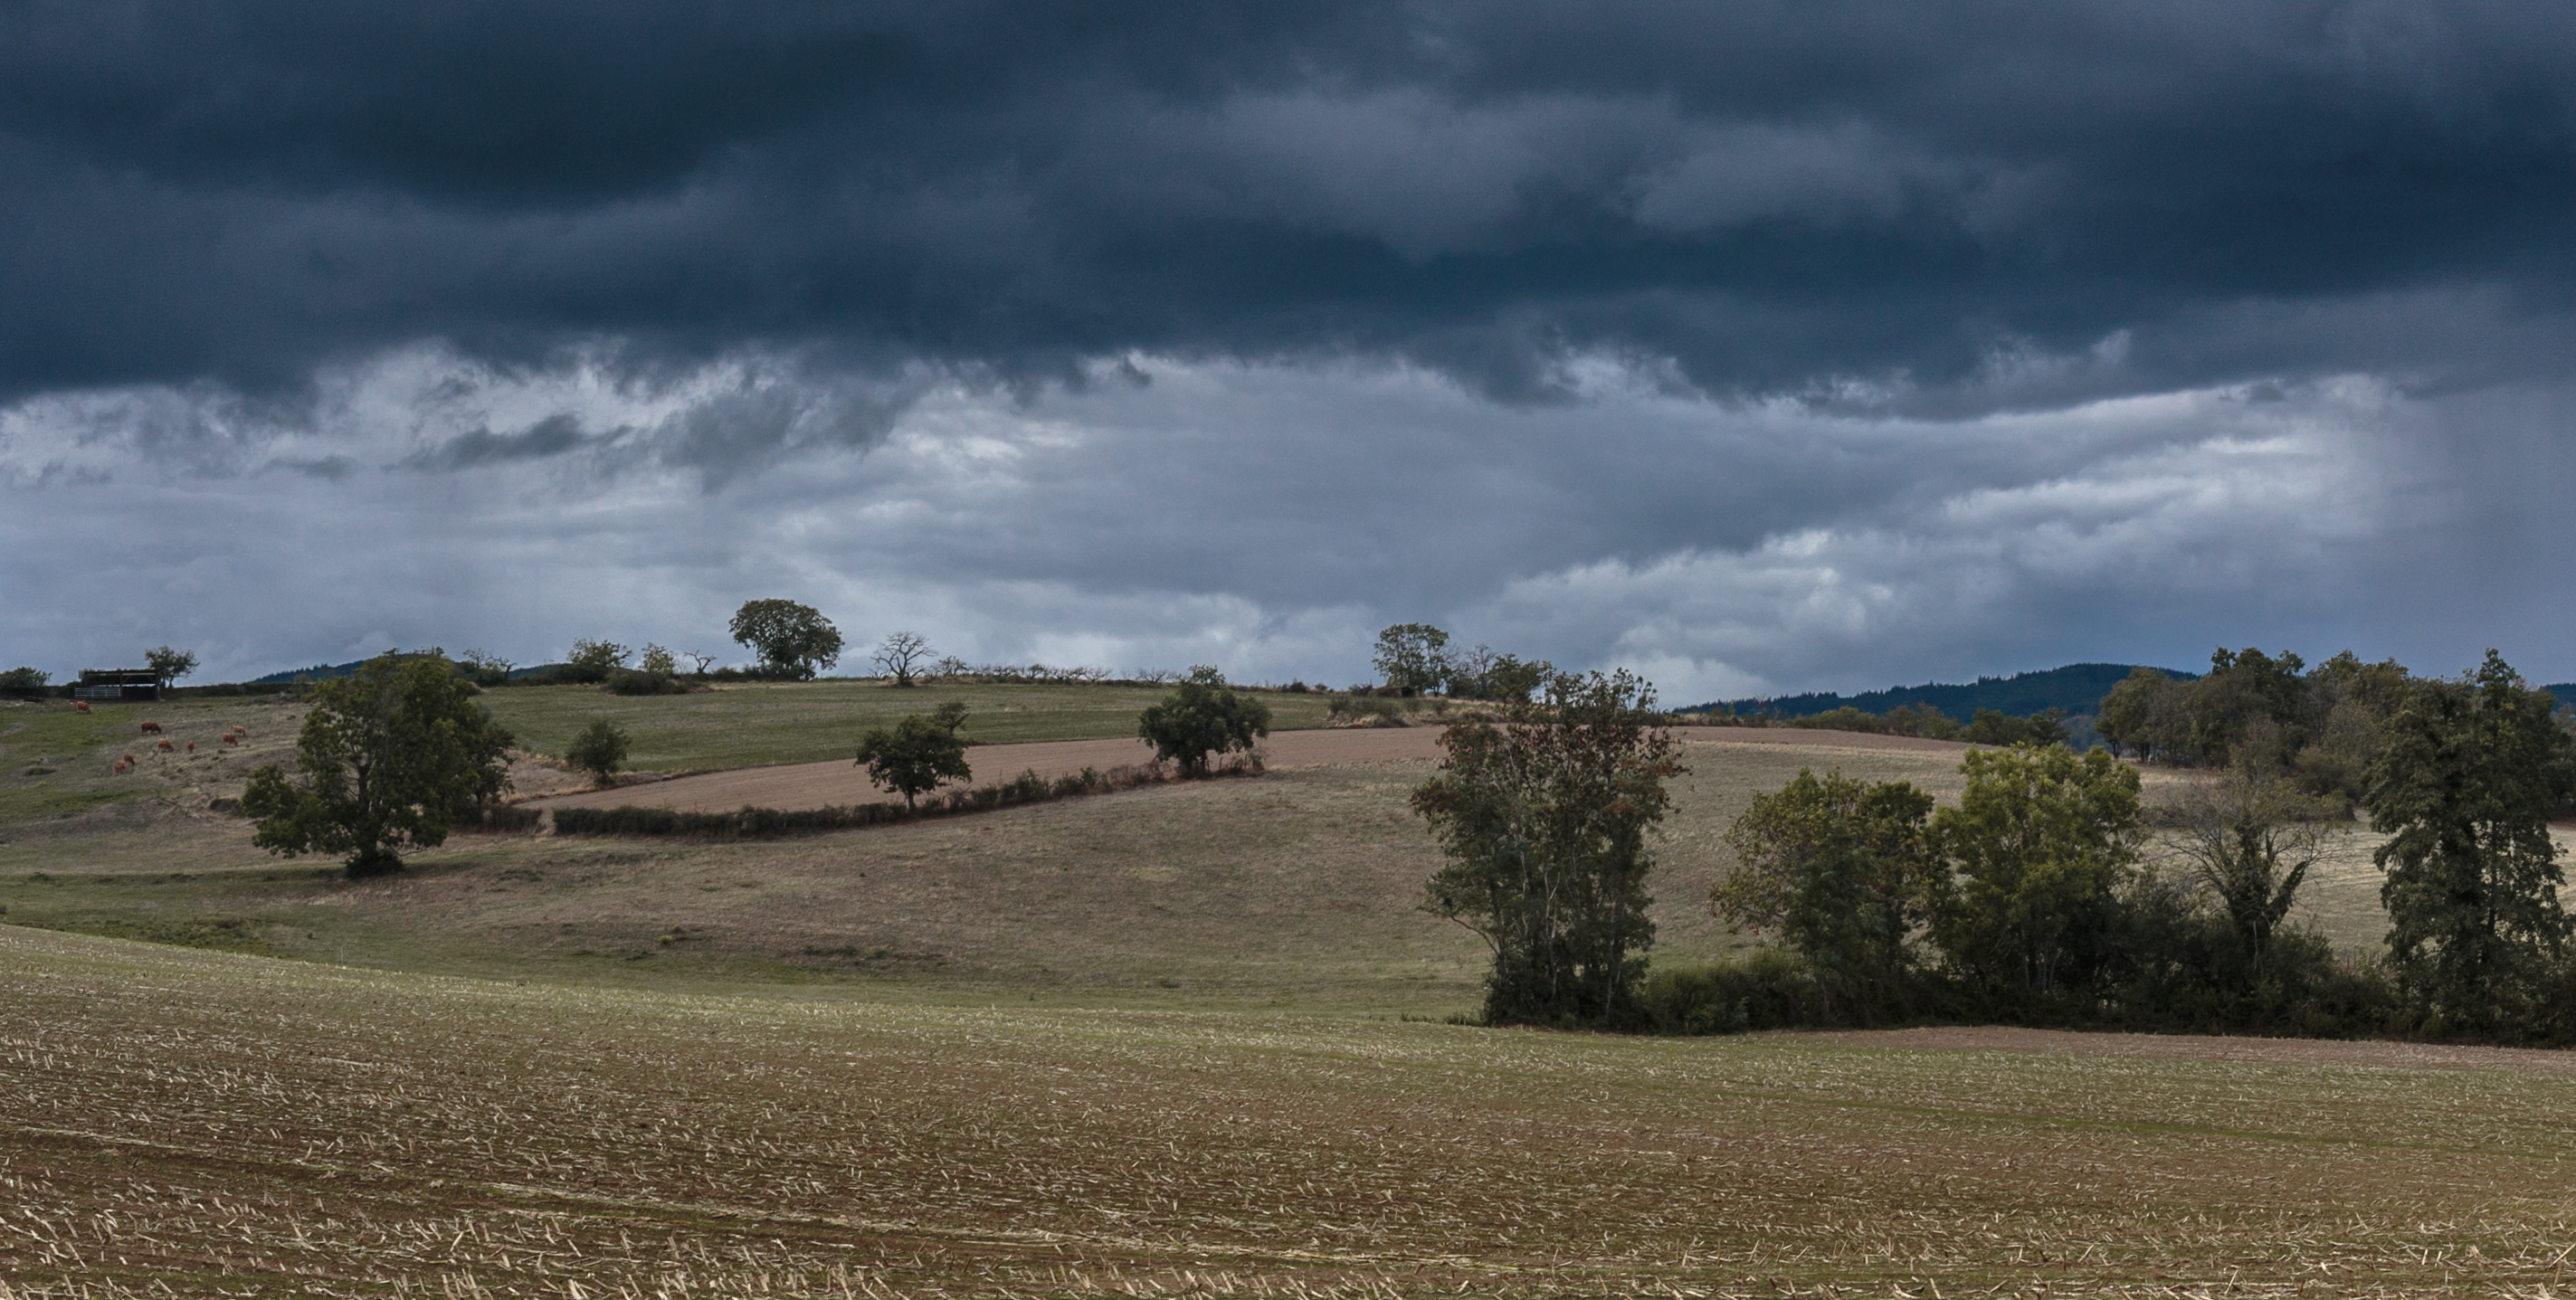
[2075, 688]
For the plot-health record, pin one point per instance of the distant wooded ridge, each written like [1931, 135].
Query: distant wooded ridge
[2076, 688]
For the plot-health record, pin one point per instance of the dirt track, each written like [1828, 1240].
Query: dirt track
[819, 785]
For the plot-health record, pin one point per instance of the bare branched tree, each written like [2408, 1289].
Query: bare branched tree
[702, 661]
[2250, 836]
[902, 655]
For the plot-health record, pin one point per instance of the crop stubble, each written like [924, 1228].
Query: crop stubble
[220, 1124]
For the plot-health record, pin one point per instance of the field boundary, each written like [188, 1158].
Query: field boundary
[773, 823]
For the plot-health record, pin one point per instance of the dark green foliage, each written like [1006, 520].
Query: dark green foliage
[1840, 870]
[2073, 688]
[1413, 657]
[2472, 769]
[2040, 841]
[1198, 720]
[2325, 727]
[629, 681]
[1763, 989]
[23, 681]
[792, 640]
[1543, 818]
[388, 757]
[1481, 674]
[916, 754]
[593, 661]
[2046, 727]
[599, 749]
[485, 670]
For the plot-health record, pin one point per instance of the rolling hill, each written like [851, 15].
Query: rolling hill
[2076, 688]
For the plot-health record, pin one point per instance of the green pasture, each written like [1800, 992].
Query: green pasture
[754, 724]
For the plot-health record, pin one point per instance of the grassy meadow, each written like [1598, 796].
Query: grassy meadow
[750, 724]
[1179, 1039]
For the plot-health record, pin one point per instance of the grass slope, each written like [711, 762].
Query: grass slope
[55, 760]
[1295, 891]
[758, 723]
[195, 1124]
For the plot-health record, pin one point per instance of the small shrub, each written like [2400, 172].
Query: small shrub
[600, 749]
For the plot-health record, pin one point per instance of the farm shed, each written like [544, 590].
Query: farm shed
[117, 684]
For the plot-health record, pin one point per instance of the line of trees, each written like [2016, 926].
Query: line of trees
[2045, 894]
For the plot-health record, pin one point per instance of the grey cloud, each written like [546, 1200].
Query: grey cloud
[551, 436]
[1771, 198]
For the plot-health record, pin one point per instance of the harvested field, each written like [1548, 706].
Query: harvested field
[196, 1124]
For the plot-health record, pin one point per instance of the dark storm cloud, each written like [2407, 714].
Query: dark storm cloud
[1931, 208]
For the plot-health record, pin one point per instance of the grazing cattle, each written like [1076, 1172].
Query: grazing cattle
[231, 739]
[152, 728]
[120, 767]
[82, 705]
[166, 747]
[192, 747]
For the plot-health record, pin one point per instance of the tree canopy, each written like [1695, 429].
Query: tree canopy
[1543, 817]
[2472, 770]
[1839, 869]
[388, 757]
[1413, 657]
[792, 640]
[1199, 720]
[916, 754]
[2039, 841]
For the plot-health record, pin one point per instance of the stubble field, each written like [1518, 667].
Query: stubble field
[1181, 1039]
[199, 1124]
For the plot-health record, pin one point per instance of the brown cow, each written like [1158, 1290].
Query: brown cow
[231, 739]
[166, 747]
[192, 747]
[152, 728]
[82, 705]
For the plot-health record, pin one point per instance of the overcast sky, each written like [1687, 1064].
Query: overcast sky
[1760, 347]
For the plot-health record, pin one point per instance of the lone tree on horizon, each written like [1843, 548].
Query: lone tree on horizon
[169, 664]
[792, 640]
[901, 656]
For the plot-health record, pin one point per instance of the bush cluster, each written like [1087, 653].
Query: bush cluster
[2032, 900]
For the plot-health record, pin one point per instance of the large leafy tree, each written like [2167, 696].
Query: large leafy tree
[388, 758]
[912, 757]
[1837, 868]
[1413, 657]
[1543, 817]
[792, 640]
[2039, 842]
[1200, 719]
[2472, 768]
